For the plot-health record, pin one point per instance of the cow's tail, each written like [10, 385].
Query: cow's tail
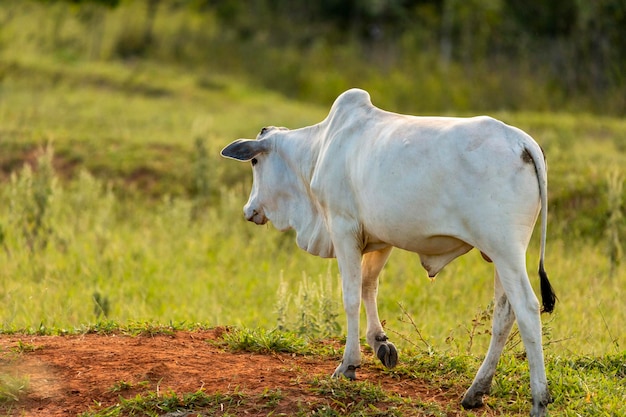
[548, 296]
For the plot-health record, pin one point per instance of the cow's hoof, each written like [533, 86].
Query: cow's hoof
[347, 371]
[472, 401]
[388, 354]
[540, 407]
[540, 411]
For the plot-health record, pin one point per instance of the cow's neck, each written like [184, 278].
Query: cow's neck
[300, 153]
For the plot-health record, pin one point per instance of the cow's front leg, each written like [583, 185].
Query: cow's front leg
[348, 255]
[371, 265]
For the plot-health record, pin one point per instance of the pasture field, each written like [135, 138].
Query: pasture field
[132, 215]
[117, 211]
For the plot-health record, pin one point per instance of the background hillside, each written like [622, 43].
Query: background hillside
[416, 55]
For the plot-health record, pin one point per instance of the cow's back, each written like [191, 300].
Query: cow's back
[406, 178]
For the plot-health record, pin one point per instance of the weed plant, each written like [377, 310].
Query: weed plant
[264, 341]
[315, 305]
[615, 229]
[30, 198]
[12, 387]
[155, 403]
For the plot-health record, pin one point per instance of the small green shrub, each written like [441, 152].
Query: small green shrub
[315, 307]
[263, 341]
[121, 386]
[155, 403]
[101, 306]
[201, 189]
[615, 224]
[31, 195]
[12, 388]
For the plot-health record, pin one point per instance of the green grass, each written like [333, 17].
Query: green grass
[590, 386]
[154, 404]
[352, 399]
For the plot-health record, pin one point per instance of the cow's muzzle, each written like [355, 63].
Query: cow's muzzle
[256, 217]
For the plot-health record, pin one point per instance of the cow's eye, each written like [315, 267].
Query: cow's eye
[253, 161]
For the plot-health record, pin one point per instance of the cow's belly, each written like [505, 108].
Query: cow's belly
[432, 245]
[435, 251]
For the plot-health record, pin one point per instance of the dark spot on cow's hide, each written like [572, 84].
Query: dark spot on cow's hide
[526, 157]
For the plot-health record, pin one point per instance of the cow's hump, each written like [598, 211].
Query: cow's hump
[349, 106]
[354, 97]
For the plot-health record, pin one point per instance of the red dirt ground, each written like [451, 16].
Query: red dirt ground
[69, 375]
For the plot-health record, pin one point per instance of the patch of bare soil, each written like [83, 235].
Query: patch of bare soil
[69, 375]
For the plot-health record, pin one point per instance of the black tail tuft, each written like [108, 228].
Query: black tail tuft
[547, 293]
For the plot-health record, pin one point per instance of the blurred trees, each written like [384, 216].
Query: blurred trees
[572, 47]
[558, 54]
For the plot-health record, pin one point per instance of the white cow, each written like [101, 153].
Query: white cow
[364, 180]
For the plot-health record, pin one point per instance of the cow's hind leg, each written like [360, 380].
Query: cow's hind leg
[525, 306]
[503, 319]
[371, 266]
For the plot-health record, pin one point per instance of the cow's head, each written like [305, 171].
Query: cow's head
[272, 186]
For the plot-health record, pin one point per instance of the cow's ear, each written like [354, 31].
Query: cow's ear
[244, 149]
